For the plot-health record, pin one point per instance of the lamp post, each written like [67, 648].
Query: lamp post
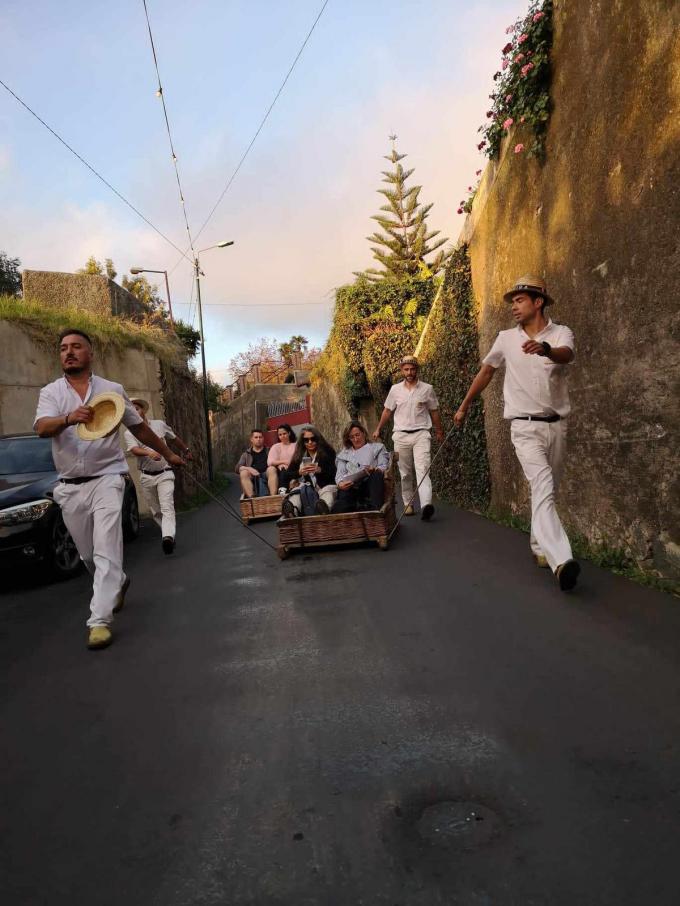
[147, 270]
[206, 408]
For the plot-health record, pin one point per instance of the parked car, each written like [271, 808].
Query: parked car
[32, 529]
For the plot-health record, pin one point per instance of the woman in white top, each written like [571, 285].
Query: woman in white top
[281, 454]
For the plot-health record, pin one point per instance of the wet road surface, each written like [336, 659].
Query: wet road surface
[437, 724]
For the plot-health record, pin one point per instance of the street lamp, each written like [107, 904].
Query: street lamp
[147, 270]
[206, 408]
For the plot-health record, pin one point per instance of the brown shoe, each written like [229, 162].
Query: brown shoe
[541, 561]
[409, 511]
[567, 574]
[99, 637]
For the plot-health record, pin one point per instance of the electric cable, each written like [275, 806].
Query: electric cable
[161, 95]
[259, 128]
[96, 173]
[228, 509]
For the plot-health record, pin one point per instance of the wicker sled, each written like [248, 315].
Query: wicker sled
[260, 507]
[303, 532]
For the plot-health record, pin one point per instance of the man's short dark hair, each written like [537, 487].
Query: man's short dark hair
[73, 330]
[256, 431]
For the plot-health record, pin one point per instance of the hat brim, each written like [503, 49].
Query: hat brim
[109, 409]
[143, 404]
[507, 297]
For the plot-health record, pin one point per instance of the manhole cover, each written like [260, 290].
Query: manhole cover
[464, 825]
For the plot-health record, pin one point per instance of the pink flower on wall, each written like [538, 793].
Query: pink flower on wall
[508, 98]
[519, 148]
[508, 123]
[522, 118]
[459, 211]
[518, 58]
[505, 64]
[527, 68]
[537, 17]
[522, 39]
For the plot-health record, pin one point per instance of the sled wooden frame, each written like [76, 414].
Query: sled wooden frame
[268, 507]
[340, 529]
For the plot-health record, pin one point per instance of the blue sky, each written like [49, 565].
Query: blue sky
[300, 208]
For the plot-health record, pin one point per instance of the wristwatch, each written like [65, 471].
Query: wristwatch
[547, 348]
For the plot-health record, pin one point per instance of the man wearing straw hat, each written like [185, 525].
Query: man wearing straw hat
[535, 353]
[415, 409]
[90, 488]
[156, 476]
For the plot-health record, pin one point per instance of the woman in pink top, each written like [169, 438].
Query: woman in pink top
[281, 454]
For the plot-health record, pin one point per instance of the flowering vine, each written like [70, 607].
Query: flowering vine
[522, 92]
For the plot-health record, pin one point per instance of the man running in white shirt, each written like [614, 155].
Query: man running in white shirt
[156, 476]
[415, 409]
[535, 353]
[91, 483]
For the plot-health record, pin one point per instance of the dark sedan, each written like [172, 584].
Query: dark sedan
[31, 526]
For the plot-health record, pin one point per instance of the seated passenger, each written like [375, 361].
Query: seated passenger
[281, 454]
[257, 479]
[313, 464]
[360, 472]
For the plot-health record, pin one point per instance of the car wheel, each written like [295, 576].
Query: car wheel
[64, 559]
[130, 515]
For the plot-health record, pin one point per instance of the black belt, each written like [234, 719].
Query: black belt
[411, 430]
[536, 418]
[80, 480]
[157, 472]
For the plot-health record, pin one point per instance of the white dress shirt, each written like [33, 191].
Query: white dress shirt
[533, 384]
[146, 463]
[411, 407]
[76, 458]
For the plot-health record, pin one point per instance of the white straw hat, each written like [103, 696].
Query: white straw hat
[109, 409]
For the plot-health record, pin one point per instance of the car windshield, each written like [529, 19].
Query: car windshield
[21, 455]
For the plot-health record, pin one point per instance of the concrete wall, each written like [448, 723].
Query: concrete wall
[27, 364]
[231, 429]
[87, 291]
[600, 221]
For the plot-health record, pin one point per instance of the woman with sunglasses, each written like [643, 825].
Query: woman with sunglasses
[313, 463]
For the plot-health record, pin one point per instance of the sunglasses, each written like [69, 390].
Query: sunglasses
[309, 440]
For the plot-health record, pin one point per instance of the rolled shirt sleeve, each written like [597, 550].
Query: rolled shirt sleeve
[48, 406]
[431, 400]
[167, 431]
[383, 457]
[495, 356]
[391, 401]
[567, 339]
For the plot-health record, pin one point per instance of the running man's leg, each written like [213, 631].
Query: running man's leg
[106, 502]
[165, 490]
[422, 459]
[150, 487]
[532, 442]
[403, 445]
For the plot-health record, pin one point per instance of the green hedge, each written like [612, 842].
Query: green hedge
[450, 360]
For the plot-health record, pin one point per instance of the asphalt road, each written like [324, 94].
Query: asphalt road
[436, 724]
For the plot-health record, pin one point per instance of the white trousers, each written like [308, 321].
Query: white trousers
[92, 513]
[540, 448]
[159, 491]
[327, 494]
[414, 457]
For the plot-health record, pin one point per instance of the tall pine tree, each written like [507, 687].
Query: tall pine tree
[405, 243]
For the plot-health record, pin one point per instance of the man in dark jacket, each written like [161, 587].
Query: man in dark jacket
[257, 479]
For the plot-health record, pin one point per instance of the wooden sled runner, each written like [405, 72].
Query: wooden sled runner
[260, 507]
[336, 529]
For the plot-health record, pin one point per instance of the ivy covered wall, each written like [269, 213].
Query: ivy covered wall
[449, 357]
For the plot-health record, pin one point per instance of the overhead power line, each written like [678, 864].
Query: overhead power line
[161, 95]
[92, 170]
[255, 304]
[259, 128]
